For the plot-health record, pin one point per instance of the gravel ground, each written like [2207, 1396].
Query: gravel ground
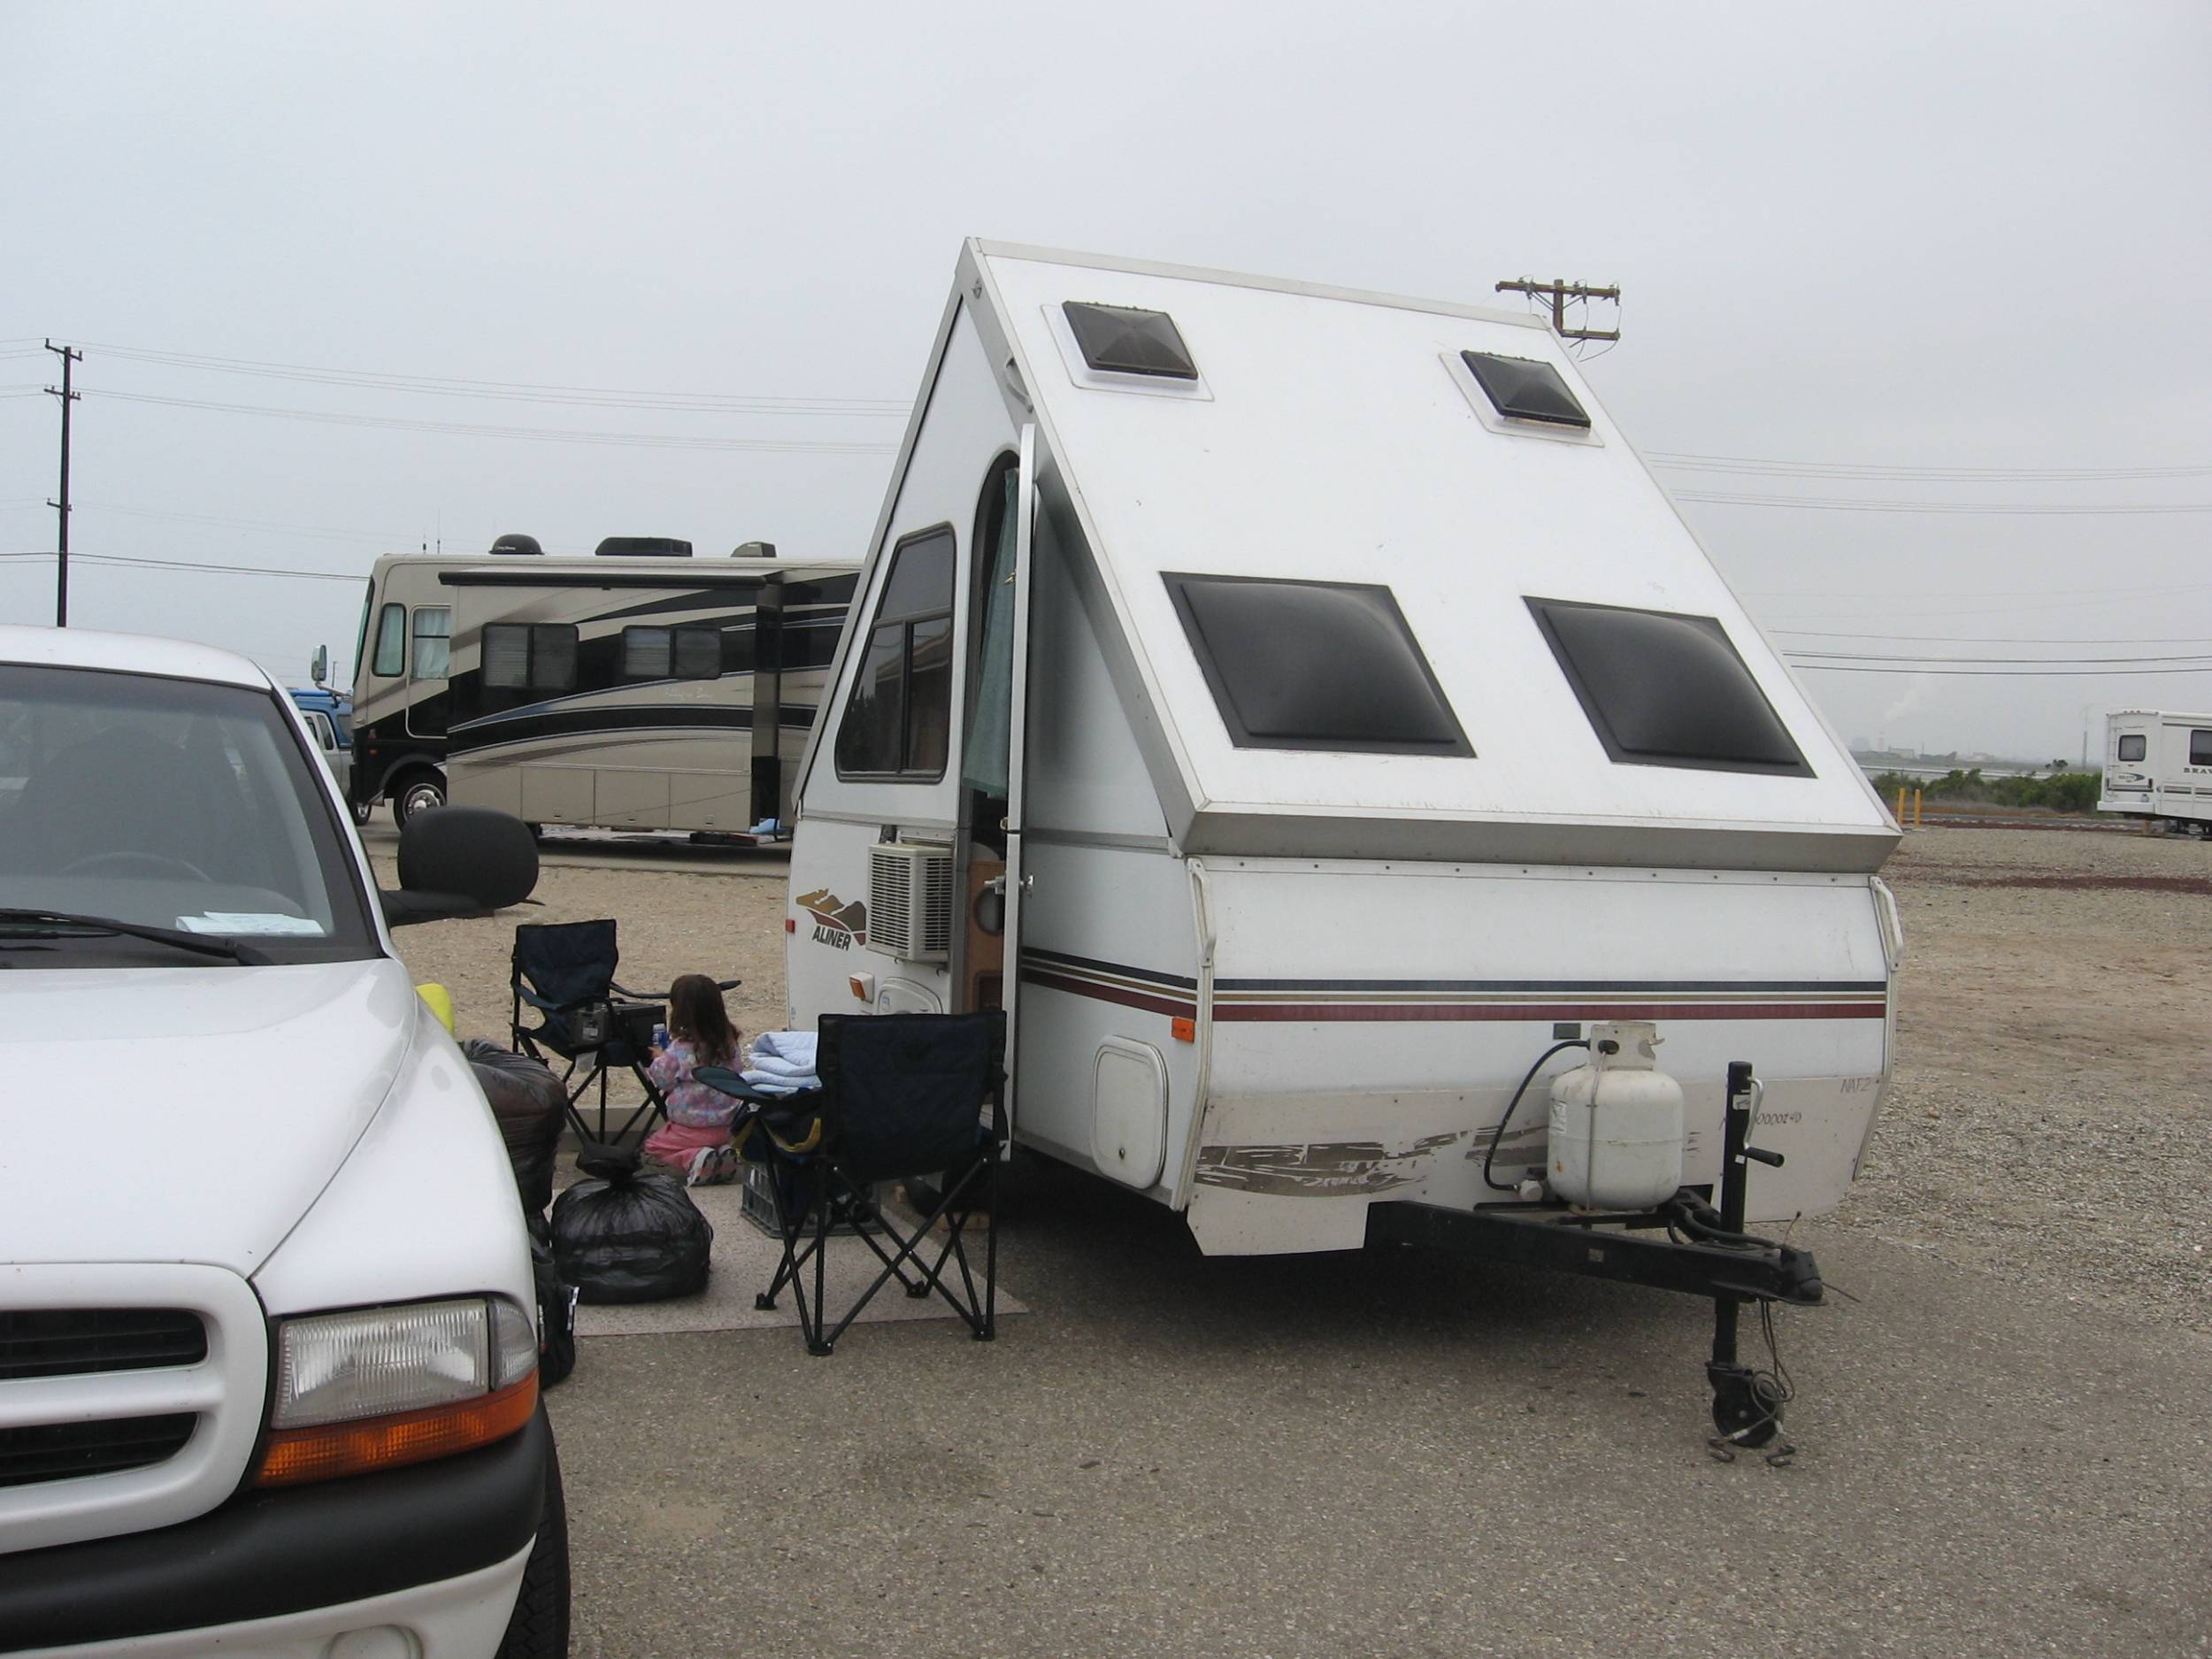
[2054, 1082]
[2054, 1077]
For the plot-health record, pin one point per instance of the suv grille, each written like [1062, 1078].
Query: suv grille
[59, 1451]
[72, 1341]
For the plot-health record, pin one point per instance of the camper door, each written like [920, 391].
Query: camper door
[992, 754]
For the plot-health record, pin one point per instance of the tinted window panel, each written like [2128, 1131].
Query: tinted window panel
[868, 738]
[391, 640]
[2201, 748]
[898, 720]
[1662, 689]
[552, 658]
[2132, 746]
[1314, 666]
[698, 653]
[921, 580]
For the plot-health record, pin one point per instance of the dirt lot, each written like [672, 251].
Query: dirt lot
[2053, 1084]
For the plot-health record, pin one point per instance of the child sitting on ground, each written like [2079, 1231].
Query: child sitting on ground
[696, 1137]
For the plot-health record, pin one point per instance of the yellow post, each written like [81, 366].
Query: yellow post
[1900, 806]
[1916, 809]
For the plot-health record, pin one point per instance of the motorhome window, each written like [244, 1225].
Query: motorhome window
[1314, 666]
[434, 632]
[984, 753]
[391, 640]
[1523, 388]
[898, 719]
[2132, 746]
[672, 653]
[698, 653]
[1662, 689]
[532, 657]
[2201, 748]
[1122, 340]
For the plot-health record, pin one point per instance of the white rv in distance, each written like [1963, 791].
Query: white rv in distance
[2158, 767]
[1300, 709]
[643, 692]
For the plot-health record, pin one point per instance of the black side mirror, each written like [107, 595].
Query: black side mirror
[456, 860]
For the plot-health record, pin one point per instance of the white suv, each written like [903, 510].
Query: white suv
[268, 1367]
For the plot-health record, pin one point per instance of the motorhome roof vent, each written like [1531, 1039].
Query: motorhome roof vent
[517, 544]
[1663, 689]
[1121, 339]
[1314, 666]
[1523, 388]
[663, 547]
[754, 551]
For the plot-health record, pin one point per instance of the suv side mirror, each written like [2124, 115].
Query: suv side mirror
[456, 860]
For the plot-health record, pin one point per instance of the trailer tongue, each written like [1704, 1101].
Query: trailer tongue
[1706, 1253]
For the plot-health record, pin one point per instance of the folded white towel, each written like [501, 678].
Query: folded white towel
[775, 1065]
[780, 1082]
[794, 1046]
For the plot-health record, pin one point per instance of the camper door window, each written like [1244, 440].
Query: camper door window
[899, 716]
[433, 638]
[2201, 748]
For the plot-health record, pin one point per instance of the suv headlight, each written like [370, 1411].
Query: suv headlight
[380, 1387]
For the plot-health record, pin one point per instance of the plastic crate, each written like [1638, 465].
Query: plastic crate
[756, 1202]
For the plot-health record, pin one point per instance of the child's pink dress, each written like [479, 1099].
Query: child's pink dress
[697, 1115]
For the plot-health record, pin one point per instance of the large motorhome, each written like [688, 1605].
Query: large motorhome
[2158, 767]
[1300, 709]
[644, 693]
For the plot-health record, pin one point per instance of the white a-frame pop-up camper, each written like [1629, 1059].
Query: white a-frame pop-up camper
[1300, 709]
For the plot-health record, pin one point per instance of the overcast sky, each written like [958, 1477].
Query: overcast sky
[1873, 242]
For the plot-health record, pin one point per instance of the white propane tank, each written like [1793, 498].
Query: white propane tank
[1617, 1122]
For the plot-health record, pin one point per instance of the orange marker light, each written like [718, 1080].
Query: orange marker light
[297, 1456]
[1183, 1030]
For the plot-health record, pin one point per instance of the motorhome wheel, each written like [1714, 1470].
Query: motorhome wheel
[420, 794]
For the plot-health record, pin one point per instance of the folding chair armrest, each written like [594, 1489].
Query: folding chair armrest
[620, 989]
[725, 1081]
[547, 1005]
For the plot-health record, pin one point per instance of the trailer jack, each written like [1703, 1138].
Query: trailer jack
[1706, 1253]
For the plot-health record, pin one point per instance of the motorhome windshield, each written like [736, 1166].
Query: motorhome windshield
[168, 803]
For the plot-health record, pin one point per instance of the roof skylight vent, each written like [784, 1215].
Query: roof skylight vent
[1122, 340]
[1523, 388]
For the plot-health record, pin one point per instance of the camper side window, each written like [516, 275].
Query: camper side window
[530, 657]
[672, 653]
[2132, 746]
[391, 640]
[2201, 748]
[898, 717]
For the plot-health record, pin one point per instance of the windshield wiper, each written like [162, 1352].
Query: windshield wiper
[55, 924]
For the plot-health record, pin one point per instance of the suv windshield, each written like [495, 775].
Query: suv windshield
[168, 804]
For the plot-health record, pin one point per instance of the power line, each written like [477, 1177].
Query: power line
[1870, 656]
[631, 439]
[193, 565]
[266, 526]
[515, 391]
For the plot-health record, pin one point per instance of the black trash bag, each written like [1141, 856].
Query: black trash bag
[528, 1100]
[557, 1316]
[630, 1232]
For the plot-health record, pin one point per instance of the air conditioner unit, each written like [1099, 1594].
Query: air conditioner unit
[910, 901]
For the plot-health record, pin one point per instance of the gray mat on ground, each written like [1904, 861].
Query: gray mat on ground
[744, 1260]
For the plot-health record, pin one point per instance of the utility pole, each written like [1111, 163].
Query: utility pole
[1560, 291]
[68, 355]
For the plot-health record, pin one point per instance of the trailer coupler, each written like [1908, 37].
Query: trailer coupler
[1705, 1252]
